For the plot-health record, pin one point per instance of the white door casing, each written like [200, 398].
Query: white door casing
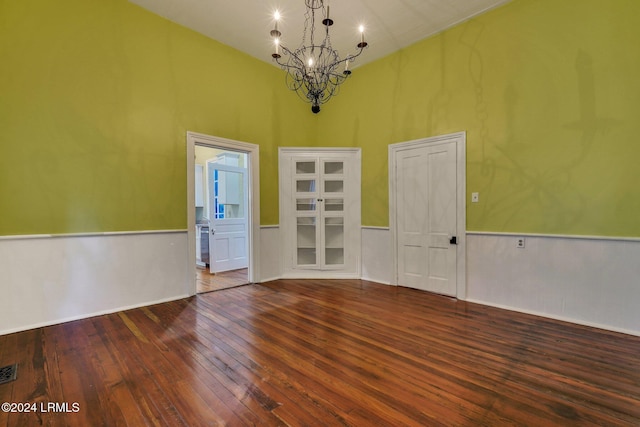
[427, 210]
[253, 209]
[228, 243]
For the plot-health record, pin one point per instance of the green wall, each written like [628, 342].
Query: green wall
[549, 95]
[96, 98]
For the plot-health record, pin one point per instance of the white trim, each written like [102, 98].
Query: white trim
[106, 233]
[315, 151]
[89, 315]
[266, 227]
[371, 227]
[253, 154]
[554, 236]
[556, 317]
[460, 139]
[320, 274]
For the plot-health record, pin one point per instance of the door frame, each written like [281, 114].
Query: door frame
[253, 210]
[459, 139]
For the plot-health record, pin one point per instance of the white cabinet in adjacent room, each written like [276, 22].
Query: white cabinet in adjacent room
[320, 212]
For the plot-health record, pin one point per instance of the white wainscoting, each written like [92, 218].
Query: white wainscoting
[46, 280]
[589, 281]
[376, 255]
[270, 253]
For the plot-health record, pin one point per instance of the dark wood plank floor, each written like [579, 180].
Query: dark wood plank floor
[323, 353]
[207, 282]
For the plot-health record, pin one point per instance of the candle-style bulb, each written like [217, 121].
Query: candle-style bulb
[275, 33]
[346, 71]
[276, 54]
[327, 21]
[362, 43]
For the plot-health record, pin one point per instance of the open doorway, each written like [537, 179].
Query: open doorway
[222, 226]
[223, 216]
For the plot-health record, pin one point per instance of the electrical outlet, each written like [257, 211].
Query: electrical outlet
[475, 197]
[520, 243]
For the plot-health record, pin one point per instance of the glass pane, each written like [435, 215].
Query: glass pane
[334, 233]
[228, 199]
[305, 167]
[305, 204]
[306, 232]
[306, 186]
[332, 168]
[334, 256]
[333, 205]
[306, 241]
[306, 256]
[334, 241]
[333, 186]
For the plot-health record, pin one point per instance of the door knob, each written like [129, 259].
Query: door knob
[453, 240]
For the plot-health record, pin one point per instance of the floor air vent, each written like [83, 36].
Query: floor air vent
[8, 373]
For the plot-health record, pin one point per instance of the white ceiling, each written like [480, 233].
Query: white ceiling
[390, 24]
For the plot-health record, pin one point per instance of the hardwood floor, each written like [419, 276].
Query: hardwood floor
[323, 353]
[207, 282]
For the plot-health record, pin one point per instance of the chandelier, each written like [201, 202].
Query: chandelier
[314, 70]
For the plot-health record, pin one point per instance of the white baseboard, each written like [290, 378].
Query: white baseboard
[88, 315]
[561, 318]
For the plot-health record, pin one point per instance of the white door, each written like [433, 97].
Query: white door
[319, 188]
[228, 201]
[426, 217]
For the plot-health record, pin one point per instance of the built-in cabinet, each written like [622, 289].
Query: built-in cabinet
[320, 212]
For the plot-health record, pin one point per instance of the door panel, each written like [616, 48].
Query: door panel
[426, 213]
[228, 217]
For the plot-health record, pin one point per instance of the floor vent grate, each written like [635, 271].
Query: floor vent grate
[8, 373]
